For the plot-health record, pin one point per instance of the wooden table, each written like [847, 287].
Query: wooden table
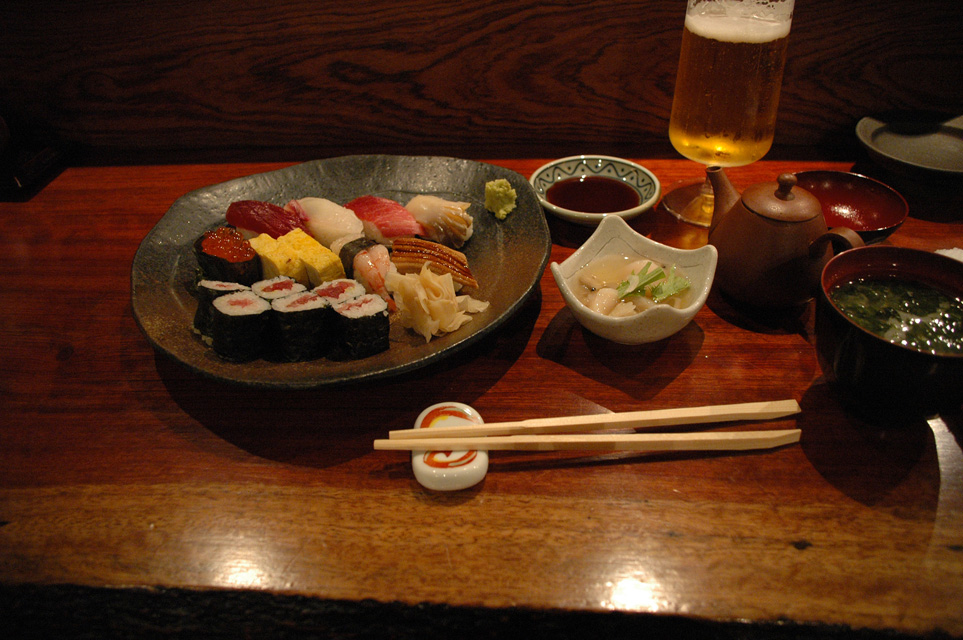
[139, 499]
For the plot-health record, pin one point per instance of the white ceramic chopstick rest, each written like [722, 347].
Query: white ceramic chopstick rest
[448, 470]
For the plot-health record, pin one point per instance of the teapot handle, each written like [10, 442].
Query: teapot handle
[841, 238]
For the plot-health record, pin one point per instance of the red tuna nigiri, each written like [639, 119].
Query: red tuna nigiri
[385, 219]
[256, 217]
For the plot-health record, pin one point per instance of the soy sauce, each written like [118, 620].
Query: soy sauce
[592, 194]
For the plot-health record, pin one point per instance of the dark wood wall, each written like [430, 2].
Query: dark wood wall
[179, 80]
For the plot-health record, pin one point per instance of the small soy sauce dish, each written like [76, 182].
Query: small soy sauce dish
[586, 188]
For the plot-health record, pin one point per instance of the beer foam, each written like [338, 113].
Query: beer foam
[738, 28]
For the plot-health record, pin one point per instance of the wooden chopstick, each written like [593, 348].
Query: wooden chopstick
[716, 441]
[598, 422]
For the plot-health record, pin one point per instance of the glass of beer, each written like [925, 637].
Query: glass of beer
[726, 90]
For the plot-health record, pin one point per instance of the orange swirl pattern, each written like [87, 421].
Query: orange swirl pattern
[442, 459]
[435, 459]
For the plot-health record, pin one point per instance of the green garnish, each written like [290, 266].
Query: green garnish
[672, 285]
[635, 285]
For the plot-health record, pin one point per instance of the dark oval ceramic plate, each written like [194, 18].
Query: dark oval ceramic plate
[507, 258]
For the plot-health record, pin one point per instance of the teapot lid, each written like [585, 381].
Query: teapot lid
[780, 201]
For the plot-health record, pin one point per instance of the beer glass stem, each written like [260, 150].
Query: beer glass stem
[691, 202]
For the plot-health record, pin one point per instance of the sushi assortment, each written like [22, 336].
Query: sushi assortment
[314, 279]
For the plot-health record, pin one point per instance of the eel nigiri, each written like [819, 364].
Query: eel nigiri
[384, 219]
[326, 221]
[444, 221]
[410, 255]
[253, 217]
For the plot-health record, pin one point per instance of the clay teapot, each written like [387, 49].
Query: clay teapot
[773, 241]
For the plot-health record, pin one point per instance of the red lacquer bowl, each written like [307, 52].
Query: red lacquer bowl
[867, 206]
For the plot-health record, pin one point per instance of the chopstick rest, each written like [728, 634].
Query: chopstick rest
[448, 468]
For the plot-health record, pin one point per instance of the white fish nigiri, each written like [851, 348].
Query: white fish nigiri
[326, 221]
[444, 221]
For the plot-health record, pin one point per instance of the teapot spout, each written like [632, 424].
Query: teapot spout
[724, 194]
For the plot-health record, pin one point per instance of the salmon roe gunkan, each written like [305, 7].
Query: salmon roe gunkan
[227, 243]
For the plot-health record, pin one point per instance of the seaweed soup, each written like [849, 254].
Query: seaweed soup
[904, 312]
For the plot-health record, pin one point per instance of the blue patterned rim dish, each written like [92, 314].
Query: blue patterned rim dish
[634, 175]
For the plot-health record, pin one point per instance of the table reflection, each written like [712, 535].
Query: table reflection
[635, 594]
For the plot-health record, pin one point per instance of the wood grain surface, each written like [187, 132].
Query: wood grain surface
[183, 506]
[128, 81]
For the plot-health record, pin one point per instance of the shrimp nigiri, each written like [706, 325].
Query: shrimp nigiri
[369, 263]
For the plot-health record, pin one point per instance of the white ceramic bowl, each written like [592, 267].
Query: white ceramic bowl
[640, 179]
[614, 236]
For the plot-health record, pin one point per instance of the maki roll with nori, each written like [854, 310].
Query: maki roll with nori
[340, 290]
[278, 287]
[302, 325]
[224, 254]
[362, 326]
[238, 325]
[207, 291]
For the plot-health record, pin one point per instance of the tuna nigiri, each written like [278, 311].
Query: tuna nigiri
[384, 219]
[325, 220]
[253, 217]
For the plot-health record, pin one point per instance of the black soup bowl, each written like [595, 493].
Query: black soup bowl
[877, 378]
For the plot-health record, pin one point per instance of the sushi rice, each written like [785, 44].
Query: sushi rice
[277, 287]
[340, 290]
